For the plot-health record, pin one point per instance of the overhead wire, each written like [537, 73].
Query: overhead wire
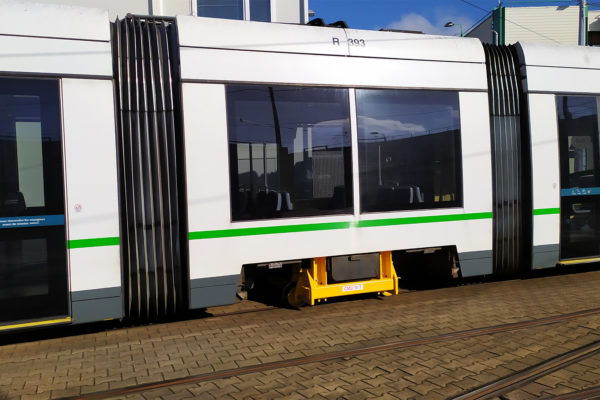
[479, 21]
[476, 6]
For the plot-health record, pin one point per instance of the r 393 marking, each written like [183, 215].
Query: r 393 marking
[351, 42]
[357, 42]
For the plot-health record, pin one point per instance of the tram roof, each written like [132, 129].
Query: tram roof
[560, 55]
[303, 39]
[54, 21]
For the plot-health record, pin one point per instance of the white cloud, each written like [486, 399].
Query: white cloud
[417, 22]
[389, 127]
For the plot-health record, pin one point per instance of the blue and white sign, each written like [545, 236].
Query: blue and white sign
[32, 221]
[579, 191]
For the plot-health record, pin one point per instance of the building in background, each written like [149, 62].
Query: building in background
[551, 24]
[284, 11]
[289, 11]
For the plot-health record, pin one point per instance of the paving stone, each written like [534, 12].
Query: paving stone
[534, 389]
[558, 390]
[579, 383]
[449, 390]
[38, 396]
[406, 394]
[441, 380]
[518, 395]
[468, 383]
[424, 388]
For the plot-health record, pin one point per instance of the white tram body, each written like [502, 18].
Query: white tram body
[472, 209]
[552, 71]
[309, 56]
[72, 45]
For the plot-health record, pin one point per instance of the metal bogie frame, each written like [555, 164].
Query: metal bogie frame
[313, 286]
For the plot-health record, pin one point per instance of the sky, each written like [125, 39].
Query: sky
[428, 16]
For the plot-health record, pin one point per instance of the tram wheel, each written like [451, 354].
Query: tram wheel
[290, 296]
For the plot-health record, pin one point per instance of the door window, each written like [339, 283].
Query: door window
[579, 177]
[33, 272]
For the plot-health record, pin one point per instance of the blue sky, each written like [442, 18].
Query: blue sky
[428, 16]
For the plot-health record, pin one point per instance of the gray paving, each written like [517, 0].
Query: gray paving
[119, 358]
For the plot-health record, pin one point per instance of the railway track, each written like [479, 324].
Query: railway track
[502, 386]
[518, 379]
[240, 312]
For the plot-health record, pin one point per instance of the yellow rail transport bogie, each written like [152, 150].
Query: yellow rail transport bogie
[312, 285]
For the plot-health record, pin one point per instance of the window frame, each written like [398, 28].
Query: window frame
[348, 163]
[246, 11]
[458, 202]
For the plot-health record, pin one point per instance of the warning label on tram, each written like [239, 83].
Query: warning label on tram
[32, 221]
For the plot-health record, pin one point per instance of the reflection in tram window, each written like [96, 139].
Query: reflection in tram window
[33, 272]
[29, 146]
[289, 151]
[578, 127]
[579, 176]
[409, 149]
[29, 275]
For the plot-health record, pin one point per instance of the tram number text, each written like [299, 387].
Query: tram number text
[357, 42]
[351, 42]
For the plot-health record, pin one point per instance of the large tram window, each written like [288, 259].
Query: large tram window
[33, 272]
[409, 149]
[579, 176]
[289, 151]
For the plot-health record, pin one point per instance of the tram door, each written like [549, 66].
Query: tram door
[33, 267]
[579, 176]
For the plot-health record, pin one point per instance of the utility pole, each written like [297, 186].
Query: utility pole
[582, 22]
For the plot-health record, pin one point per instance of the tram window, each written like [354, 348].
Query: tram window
[29, 148]
[409, 149]
[578, 133]
[289, 151]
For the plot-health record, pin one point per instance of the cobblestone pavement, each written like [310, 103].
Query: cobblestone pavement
[120, 358]
[575, 377]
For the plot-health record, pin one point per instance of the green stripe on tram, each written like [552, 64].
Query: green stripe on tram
[546, 211]
[423, 220]
[268, 230]
[97, 242]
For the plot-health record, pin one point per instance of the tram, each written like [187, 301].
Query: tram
[154, 165]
